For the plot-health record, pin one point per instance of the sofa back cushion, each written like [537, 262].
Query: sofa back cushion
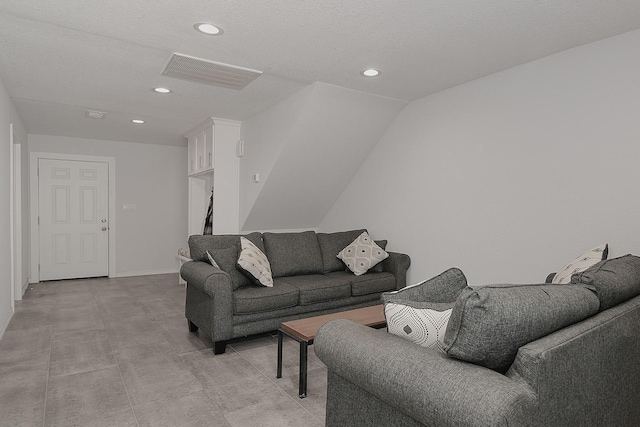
[331, 244]
[489, 324]
[291, 254]
[225, 250]
[199, 244]
[615, 280]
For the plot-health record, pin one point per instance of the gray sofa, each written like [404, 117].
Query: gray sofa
[308, 280]
[528, 355]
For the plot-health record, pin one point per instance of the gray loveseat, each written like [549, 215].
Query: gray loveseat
[585, 372]
[308, 280]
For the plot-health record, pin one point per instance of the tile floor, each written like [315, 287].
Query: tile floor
[117, 352]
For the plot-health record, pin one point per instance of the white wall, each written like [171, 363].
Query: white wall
[306, 149]
[265, 136]
[8, 115]
[154, 178]
[510, 176]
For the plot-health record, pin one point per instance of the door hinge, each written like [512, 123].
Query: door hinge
[38, 220]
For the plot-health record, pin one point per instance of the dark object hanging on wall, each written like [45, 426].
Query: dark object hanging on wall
[208, 220]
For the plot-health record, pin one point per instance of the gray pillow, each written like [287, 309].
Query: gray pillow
[615, 280]
[489, 324]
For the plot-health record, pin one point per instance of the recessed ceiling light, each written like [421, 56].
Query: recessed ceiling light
[137, 121]
[371, 72]
[208, 29]
[162, 90]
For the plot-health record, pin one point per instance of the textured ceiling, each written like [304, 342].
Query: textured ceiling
[59, 58]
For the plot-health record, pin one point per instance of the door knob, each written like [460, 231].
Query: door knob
[104, 228]
[103, 220]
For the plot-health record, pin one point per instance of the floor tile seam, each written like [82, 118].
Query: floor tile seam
[258, 371]
[274, 381]
[84, 371]
[124, 385]
[288, 397]
[293, 343]
[46, 387]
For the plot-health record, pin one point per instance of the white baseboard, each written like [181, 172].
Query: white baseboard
[25, 285]
[145, 273]
[5, 324]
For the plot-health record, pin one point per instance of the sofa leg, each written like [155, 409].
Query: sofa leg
[192, 327]
[219, 347]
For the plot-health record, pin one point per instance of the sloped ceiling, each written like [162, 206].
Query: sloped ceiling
[319, 141]
[58, 58]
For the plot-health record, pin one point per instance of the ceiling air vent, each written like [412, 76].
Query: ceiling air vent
[94, 114]
[209, 72]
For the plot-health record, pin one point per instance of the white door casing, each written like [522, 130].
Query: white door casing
[18, 278]
[12, 199]
[73, 210]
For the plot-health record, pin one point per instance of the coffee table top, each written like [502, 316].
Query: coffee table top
[305, 329]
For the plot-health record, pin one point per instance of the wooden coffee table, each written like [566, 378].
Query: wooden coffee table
[304, 331]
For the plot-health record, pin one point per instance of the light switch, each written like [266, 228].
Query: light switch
[129, 207]
[256, 177]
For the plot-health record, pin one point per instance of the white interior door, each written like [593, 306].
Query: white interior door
[73, 203]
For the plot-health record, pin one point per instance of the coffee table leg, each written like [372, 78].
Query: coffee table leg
[279, 371]
[302, 389]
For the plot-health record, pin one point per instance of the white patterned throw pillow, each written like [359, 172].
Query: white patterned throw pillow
[362, 254]
[580, 264]
[254, 263]
[418, 323]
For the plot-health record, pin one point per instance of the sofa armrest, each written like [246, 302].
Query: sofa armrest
[422, 383]
[209, 302]
[204, 276]
[397, 264]
[586, 373]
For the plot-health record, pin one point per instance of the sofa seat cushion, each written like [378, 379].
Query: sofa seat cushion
[615, 280]
[292, 254]
[258, 299]
[315, 288]
[366, 284]
[331, 244]
[489, 324]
